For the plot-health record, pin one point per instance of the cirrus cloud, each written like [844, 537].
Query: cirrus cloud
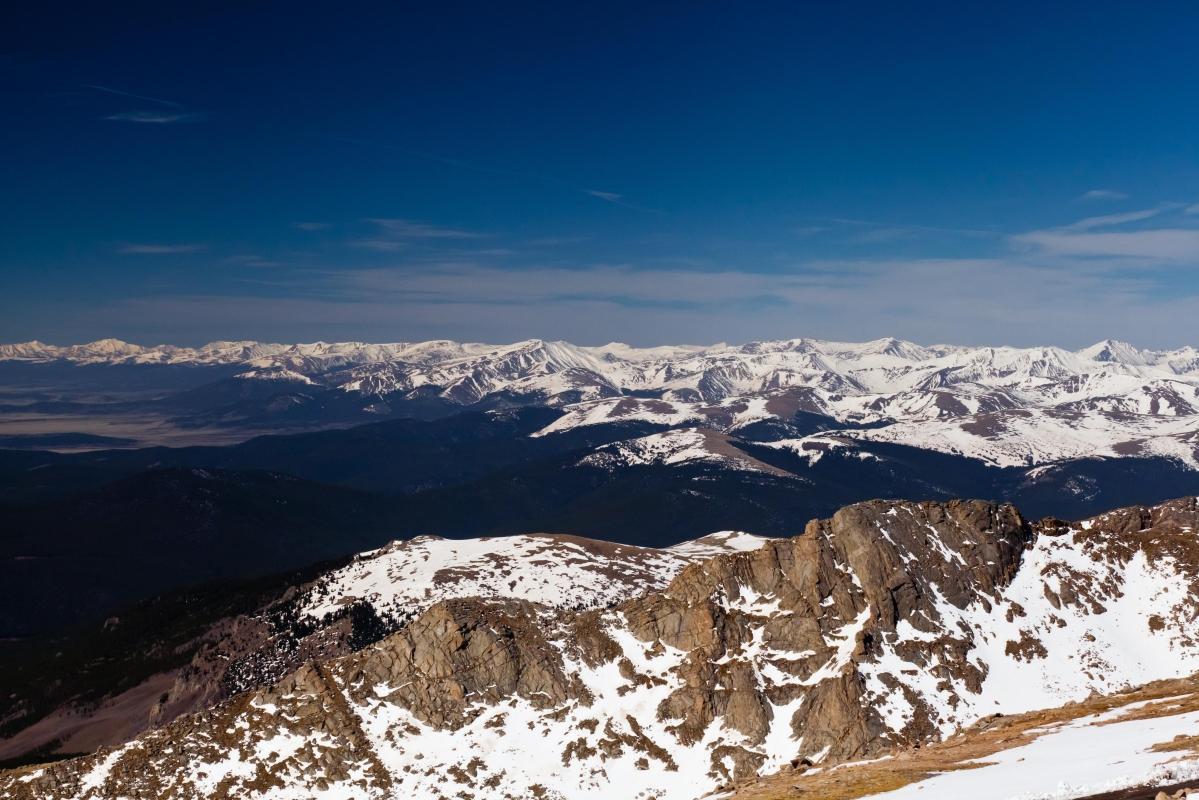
[1107, 237]
[159, 249]
[1103, 194]
[156, 117]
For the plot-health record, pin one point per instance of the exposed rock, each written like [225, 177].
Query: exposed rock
[889, 625]
[350, 607]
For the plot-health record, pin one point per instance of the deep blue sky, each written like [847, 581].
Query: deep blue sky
[1014, 173]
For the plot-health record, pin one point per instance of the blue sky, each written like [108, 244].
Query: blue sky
[692, 172]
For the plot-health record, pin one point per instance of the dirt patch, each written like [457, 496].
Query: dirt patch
[722, 445]
[788, 403]
[116, 720]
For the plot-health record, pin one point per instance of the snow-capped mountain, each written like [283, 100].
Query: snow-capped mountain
[890, 624]
[883, 367]
[343, 609]
[1003, 405]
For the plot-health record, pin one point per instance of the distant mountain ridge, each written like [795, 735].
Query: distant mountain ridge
[867, 366]
[1006, 406]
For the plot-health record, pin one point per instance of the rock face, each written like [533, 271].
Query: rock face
[890, 624]
[382, 590]
[345, 609]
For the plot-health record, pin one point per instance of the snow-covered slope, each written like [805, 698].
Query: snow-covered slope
[343, 609]
[1100, 753]
[675, 447]
[1034, 436]
[1129, 745]
[888, 625]
[406, 577]
[1004, 405]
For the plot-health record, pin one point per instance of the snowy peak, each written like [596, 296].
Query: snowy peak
[897, 349]
[110, 347]
[1112, 351]
[1004, 405]
[557, 355]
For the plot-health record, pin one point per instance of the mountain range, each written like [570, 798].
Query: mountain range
[647, 447]
[1002, 405]
[559, 667]
[446, 569]
[984, 402]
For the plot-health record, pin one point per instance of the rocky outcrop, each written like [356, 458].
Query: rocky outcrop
[349, 607]
[890, 624]
[834, 592]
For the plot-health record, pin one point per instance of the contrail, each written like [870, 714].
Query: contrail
[131, 94]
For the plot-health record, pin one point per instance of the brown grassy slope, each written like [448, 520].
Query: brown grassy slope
[983, 739]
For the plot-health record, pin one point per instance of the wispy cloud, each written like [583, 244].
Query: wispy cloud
[886, 231]
[156, 117]
[380, 245]
[1111, 220]
[930, 300]
[557, 241]
[414, 229]
[251, 260]
[1103, 194]
[617, 200]
[1099, 276]
[171, 113]
[159, 249]
[1094, 238]
[1192, 209]
[1164, 244]
[611, 197]
[311, 226]
[520, 175]
[395, 234]
[110, 90]
[887, 234]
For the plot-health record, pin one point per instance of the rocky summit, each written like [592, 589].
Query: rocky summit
[888, 625]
